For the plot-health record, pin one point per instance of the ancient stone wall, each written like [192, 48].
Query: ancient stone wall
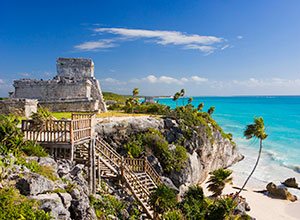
[71, 105]
[20, 107]
[75, 68]
[52, 89]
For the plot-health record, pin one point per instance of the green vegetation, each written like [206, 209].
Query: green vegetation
[173, 215]
[153, 140]
[114, 97]
[35, 167]
[194, 205]
[107, 205]
[12, 139]
[15, 206]
[163, 199]
[218, 180]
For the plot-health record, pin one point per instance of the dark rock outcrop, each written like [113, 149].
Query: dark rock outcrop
[291, 182]
[280, 192]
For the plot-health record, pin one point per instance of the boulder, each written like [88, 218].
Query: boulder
[48, 161]
[52, 203]
[291, 182]
[80, 205]
[280, 192]
[34, 184]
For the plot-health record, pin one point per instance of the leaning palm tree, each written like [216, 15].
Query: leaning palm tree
[200, 106]
[135, 92]
[218, 180]
[181, 94]
[256, 130]
[211, 110]
[176, 97]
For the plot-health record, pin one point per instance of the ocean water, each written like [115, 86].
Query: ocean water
[281, 150]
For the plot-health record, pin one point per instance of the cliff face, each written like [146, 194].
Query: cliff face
[205, 153]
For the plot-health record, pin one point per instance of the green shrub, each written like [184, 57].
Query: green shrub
[15, 206]
[163, 199]
[220, 209]
[173, 215]
[32, 149]
[35, 167]
[107, 205]
[11, 137]
[193, 205]
[134, 147]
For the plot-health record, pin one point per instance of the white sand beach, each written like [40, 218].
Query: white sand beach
[264, 207]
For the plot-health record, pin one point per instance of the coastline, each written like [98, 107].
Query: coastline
[262, 206]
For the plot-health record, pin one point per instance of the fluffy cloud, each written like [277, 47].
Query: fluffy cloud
[152, 79]
[206, 44]
[95, 45]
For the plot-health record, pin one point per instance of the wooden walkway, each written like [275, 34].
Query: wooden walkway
[76, 140]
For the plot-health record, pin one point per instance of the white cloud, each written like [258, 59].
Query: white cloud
[163, 37]
[205, 49]
[225, 47]
[198, 79]
[112, 81]
[206, 44]
[94, 45]
[2, 81]
[240, 37]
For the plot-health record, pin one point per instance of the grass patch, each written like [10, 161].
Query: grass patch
[13, 205]
[35, 167]
[107, 205]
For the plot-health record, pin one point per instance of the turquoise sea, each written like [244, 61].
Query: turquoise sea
[281, 152]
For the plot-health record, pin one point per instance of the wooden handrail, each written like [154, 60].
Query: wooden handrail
[136, 165]
[152, 173]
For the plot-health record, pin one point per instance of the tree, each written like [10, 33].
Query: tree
[181, 94]
[218, 180]
[176, 97]
[211, 110]
[255, 130]
[190, 100]
[200, 106]
[163, 199]
[135, 92]
[193, 205]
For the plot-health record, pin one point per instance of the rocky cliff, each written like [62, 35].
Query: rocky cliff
[205, 152]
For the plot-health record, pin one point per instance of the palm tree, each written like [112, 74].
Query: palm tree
[211, 110]
[135, 92]
[190, 100]
[181, 94]
[218, 180]
[200, 106]
[176, 97]
[256, 130]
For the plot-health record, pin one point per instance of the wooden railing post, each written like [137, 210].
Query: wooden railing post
[72, 141]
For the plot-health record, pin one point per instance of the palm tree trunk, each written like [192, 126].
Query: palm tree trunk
[254, 168]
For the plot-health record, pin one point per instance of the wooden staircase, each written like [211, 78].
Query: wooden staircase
[139, 176]
[75, 140]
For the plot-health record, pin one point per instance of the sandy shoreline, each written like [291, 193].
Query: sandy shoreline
[264, 207]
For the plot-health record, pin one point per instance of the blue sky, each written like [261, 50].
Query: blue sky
[207, 47]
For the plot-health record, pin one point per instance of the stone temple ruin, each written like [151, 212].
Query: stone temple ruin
[74, 88]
